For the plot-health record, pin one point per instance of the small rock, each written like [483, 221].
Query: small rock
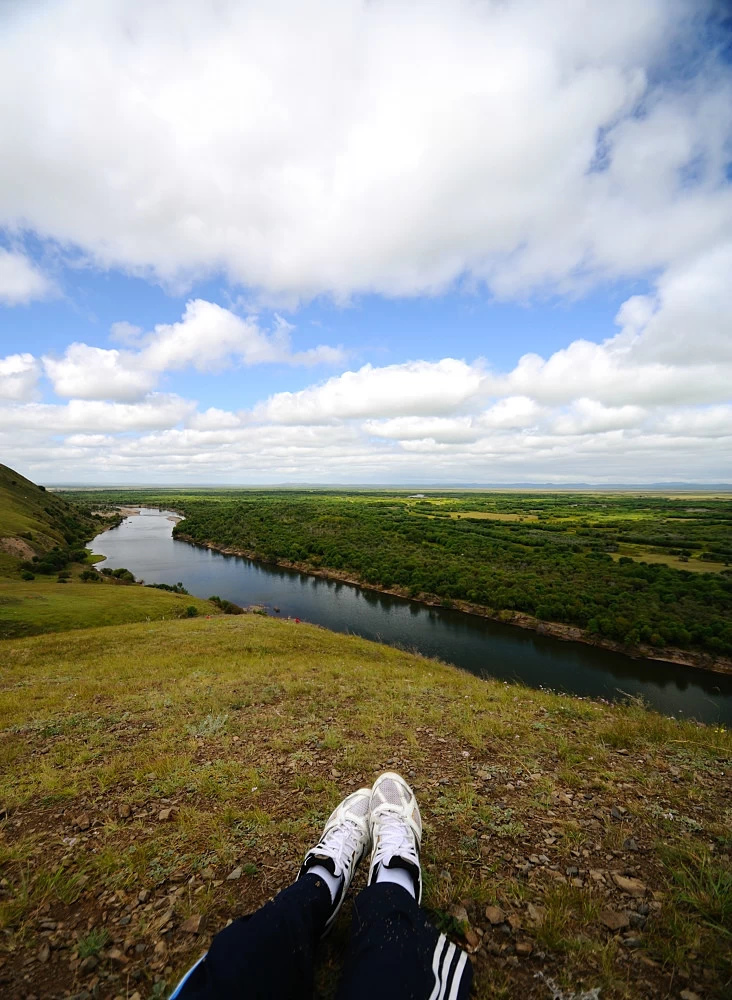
[524, 948]
[514, 922]
[633, 886]
[629, 844]
[83, 821]
[578, 883]
[689, 995]
[459, 914]
[44, 952]
[165, 814]
[89, 963]
[208, 872]
[115, 955]
[472, 940]
[536, 913]
[632, 942]
[160, 948]
[235, 874]
[614, 920]
[637, 920]
[143, 895]
[192, 925]
[572, 871]
[124, 810]
[495, 915]
[616, 813]
[644, 909]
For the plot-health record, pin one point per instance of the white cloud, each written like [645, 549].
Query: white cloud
[339, 146]
[416, 388]
[18, 377]
[21, 281]
[125, 333]
[88, 372]
[81, 415]
[208, 338]
[457, 430]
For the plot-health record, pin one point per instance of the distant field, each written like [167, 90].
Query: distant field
[675, 562]
[494, 516]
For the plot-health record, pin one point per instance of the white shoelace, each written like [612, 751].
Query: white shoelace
[340, 844]
[395, 839]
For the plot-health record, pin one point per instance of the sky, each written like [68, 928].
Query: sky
[366, 241]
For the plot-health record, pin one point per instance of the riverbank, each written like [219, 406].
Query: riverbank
[568, 633]
[566, 841]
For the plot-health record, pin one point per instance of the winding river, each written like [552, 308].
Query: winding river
[144, 544]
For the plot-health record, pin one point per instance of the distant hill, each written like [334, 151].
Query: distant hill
[34, 521]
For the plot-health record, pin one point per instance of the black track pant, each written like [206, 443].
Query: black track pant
[394, 952]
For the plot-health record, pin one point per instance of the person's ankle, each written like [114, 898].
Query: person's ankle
[396, 876]
[334, 882]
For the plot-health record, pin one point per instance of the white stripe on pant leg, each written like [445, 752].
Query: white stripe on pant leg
[457, 977]
[445, 970]
[185, 978]
[436, 955]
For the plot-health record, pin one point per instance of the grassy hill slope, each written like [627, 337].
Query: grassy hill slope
[41, 606]
[33, 521]
[153, 774]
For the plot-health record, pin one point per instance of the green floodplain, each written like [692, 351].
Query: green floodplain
[647, 571]
[164, 766]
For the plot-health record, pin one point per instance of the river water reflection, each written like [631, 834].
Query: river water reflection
[144, 545]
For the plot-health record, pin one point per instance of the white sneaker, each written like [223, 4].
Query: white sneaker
[396, 829]
[346, 838]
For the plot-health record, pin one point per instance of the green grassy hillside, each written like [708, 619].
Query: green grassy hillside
[29, 608]
[157, 773]
[34, 521]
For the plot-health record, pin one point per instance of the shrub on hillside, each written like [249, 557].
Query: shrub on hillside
[228, 607]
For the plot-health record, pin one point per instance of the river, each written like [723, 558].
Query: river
[144, 544]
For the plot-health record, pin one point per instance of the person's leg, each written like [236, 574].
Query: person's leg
[270, 953]
[267, 954]
[396, 954]
[395, 951]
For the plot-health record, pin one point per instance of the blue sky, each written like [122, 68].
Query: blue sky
[424, 242]
[375, 329]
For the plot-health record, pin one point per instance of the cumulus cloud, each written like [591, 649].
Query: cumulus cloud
[208, 338]
[81, 415]
[20, 280]
[88, 372]
[339, 146]
[18, 377]
[418, 388]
